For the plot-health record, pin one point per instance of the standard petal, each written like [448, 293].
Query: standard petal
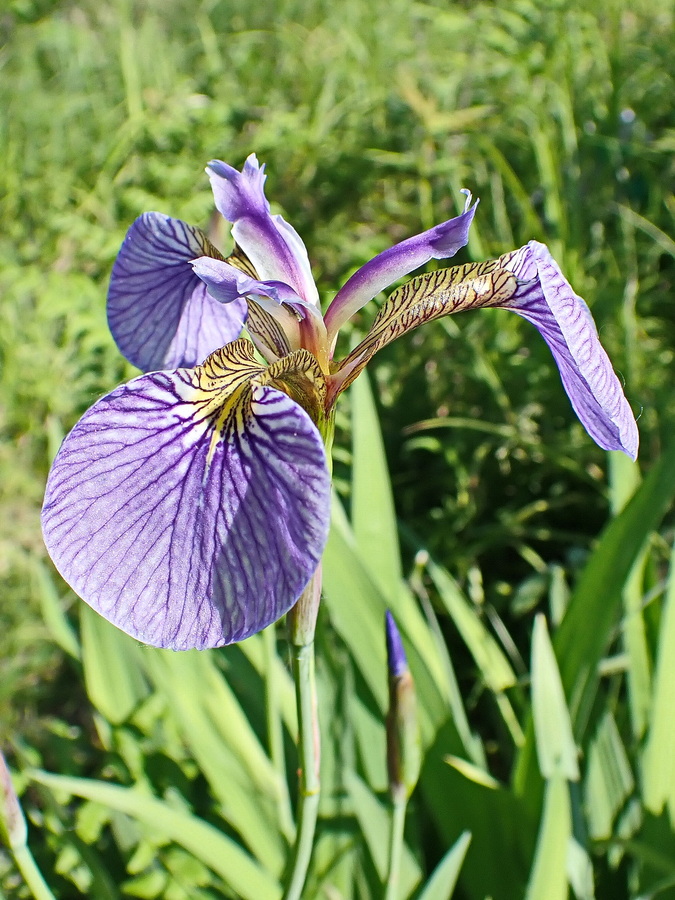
[190, 508]
[159, 312]
[273, 246]
[545, 298]
[440, 242]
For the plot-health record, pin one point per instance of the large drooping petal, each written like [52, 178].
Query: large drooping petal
[545, 298]
[423, 299]
[529, 282]
[190, 508]
[159, 311]
[273, 246]
[440, 242]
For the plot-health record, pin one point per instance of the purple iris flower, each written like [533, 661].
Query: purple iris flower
[190, 507]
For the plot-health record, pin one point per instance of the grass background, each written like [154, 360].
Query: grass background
[370, 117]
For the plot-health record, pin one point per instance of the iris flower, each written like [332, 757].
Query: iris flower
[190, 507]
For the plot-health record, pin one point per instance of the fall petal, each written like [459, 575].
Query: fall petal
[190, 508]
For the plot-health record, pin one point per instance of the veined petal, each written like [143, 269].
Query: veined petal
[301, 322]
[190, 508]
[545, 298]
[159, 312]
[423, 299]
[279, 301]
[529, 282]
[440, 242]
[273, 246]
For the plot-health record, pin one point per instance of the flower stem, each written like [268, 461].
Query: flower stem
[31, 874]
[302, 620]
[399, 804]
[275, 733]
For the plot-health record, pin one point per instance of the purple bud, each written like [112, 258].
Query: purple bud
[396, 658]
[403, 740]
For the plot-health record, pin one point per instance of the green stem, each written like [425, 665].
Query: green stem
[275, 735]
[302, 619]
[399, 804]
[31, 874]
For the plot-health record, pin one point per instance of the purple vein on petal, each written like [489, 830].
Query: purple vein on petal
[159, 312]
[546, 299]
[185, 529]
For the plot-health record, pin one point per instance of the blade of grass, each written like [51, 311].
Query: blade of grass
[226, 858]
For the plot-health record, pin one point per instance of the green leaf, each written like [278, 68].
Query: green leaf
[113, 673]
[222, 742]
[494, 667]
[548, 877]
[624, 481]
[226, 858]
[609, 779]
[556, 750]
[442, 882]
[585, 632]
[580, 871]
[52, 609]
[658, 773]
[374, 819]
[373, 514]
[583, 635]
[356, 606]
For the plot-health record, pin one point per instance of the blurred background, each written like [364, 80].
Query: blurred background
[371, 116]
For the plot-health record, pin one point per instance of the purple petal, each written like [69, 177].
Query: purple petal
[227, 283]
[546, 299]
[188, 516]
[440, 242]
[160, 313]
[273, 246]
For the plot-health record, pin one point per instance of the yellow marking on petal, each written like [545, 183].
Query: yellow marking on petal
[218, 388]
[219, 391]
[424, 299]
[265, 328]
[299, 375]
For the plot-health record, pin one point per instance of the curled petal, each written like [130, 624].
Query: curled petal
[227, 283]
[273, 246]
[440, 242]
[275, 299]
[160, 313]
[545, 298]
[529, 282]
[190, 508]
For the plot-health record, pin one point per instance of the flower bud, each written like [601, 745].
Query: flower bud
[403, 740]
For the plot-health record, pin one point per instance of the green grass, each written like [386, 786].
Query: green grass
[370, 117]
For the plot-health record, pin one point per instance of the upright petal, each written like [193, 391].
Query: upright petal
[440, 242]
[545, 298]
[190, 508]
[273, 246]
[160, 313]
